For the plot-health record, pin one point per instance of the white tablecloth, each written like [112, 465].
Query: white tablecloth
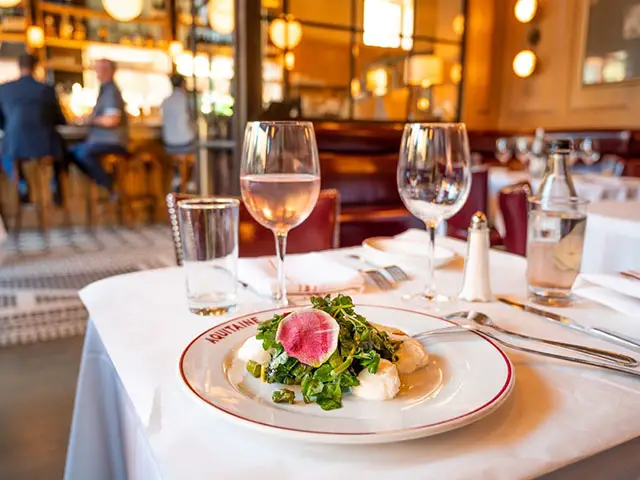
[593, 187]
[134, 419]
[612, 240]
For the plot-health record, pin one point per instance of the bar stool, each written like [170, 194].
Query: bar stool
[38, 173]
[184, 163]
[138, 188]
[115, 164]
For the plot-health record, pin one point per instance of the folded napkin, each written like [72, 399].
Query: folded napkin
[414, 242]
[306, 274]
[613, 290]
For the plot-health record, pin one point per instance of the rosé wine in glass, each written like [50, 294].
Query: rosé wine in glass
[280, 201]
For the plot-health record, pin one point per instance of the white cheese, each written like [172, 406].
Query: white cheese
[411, 355]
[252, 349]
[383, 385]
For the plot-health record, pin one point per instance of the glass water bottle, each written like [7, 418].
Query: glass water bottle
[557, 182]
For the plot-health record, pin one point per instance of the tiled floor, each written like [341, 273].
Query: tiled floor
[38, 380]
[38, 384]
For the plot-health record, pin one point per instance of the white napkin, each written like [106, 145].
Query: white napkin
[307, 273]
[415, 241]
[614, 291]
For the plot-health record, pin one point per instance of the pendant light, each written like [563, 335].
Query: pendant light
[122, 10]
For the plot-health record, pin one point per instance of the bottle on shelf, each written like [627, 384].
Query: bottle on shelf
[79, 30]
[66, 27]
[103, 33]
[50, 26]
[557, 181]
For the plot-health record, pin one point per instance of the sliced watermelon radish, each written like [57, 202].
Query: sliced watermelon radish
[310, 336]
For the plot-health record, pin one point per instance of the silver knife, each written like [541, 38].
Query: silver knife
[602, 333]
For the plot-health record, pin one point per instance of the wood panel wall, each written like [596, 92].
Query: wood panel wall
[553, 97]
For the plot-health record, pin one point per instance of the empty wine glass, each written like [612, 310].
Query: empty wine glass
[280, 181]
[434, 179]
[503, 150]
[522, 149]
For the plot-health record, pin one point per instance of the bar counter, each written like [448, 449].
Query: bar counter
[149, 174]
[138, 131]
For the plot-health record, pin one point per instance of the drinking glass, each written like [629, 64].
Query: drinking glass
[209, 235]
[280, 181]
[434, 179]
[555, 238]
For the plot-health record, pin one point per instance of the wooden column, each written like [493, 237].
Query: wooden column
[247, 82]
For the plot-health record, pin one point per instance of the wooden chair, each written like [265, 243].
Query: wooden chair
[321, 230]
[513, 202]
[38, 173]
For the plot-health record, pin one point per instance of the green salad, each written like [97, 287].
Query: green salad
[360, 345]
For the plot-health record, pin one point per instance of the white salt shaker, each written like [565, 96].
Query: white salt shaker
[476, 286]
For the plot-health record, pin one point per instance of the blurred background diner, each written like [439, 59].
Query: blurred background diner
[108, 106]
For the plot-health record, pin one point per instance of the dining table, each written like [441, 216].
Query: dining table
[593, 187]
[134, 418]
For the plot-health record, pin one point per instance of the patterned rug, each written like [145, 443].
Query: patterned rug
[39, 288]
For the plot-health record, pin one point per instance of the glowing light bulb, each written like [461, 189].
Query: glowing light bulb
[525, 10]
[524, 63]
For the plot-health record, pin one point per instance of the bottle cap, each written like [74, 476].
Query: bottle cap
[478, 221]
[561, 144]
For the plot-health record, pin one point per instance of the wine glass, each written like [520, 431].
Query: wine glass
[280, 181]
[503, 151]
[434, 179]
[522, 149]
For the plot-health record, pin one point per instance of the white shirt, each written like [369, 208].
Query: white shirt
[177, 123]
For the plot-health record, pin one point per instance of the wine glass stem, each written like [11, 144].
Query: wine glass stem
[281, 248]
[430, 287]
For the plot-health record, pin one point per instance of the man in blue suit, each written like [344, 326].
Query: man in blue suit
[29, 114]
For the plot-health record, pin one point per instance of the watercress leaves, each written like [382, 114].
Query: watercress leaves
[360, 346]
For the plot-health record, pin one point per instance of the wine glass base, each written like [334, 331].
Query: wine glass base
[281, 302]
[422, 298]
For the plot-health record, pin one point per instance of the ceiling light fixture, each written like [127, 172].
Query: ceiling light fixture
[123, 10]
[220, 13]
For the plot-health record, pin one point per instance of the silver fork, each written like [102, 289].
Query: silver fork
[396, 273]
[382, 282]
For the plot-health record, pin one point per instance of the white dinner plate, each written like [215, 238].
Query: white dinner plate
[389, 250]
[467, 378]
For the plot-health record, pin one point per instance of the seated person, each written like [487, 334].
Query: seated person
[29, 114]
[178, 125]
[107, 128]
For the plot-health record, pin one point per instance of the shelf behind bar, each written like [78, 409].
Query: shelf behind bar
[162, 20]
[80, 44]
